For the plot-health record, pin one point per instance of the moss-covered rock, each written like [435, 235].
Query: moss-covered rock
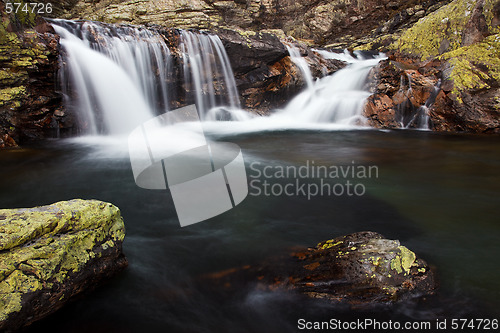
[28, 69]
[51, 253]
[457, 45]
[475, 67]
[445, 29]
[361, 269]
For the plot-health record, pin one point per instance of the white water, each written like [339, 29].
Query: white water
[301, 64]
[119, 78]
[108, 75]
[207, 71]
[409, 115]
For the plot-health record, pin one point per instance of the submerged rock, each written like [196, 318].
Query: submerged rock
[359, 269]
[51, 253]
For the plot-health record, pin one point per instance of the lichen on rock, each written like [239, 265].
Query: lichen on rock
[361, 269]
[443, 30]
[474, 67]
[49, 254]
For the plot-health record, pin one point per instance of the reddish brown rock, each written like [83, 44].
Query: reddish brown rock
[394, 103]
[360, 269]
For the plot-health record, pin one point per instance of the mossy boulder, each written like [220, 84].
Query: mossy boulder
[51, 253]
[361, 270]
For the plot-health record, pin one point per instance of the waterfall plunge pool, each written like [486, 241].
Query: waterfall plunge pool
[437, 193]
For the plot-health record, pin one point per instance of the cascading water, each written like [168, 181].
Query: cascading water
[338, 98]
[302, 65]
[408, 113]
[116, 76]
[208, 75]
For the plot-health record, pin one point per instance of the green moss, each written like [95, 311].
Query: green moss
[45, 245]
[444, 26]
[403, 261]
[476, 66]
[9, 94]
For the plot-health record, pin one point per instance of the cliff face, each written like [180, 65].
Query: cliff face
[457, 45]
[342, 22]
[450, 44]
[30, 107]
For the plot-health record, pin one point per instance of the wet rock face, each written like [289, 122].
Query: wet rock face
[30, 106]
[265, 75]
[360, 269]
[462, 54]
[401, 88]
[51, 253]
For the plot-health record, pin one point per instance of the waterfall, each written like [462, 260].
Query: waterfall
[301, 63]
[115, 76]
[208, 75]
[407, 113]
[338, 98]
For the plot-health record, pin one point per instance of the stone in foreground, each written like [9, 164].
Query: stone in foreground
[51, 253]
[359, 269]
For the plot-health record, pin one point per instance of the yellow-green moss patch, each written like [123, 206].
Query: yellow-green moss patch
[475, 66]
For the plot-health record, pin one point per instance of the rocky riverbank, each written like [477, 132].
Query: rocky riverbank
[50, 254]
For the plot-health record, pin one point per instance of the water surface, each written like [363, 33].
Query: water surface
[436, 193]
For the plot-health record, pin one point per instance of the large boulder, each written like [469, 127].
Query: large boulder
[360, 269]
[49, 254]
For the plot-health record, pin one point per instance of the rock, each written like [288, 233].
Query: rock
[28, 67]
[265, 75]
[318, 21]
[450, 28]
[360, 269]
[468, 100]
[50, 254]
